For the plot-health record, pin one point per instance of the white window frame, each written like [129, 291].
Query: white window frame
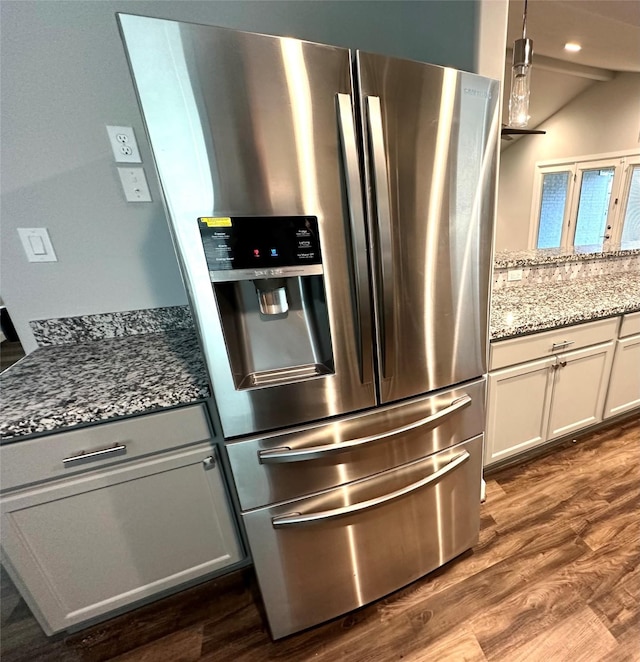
[622, 162]
[622, 201]
[581, 168]
[534, 225]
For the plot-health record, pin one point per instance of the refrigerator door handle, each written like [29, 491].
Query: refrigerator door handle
[358, 237]
[385, 245]
[296, 519]
[281, 455]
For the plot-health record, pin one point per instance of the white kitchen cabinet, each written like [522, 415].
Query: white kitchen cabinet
[29, 461]
[555, 394]
[624, 385]
[579, 389]
[517, 406]
[97, 541]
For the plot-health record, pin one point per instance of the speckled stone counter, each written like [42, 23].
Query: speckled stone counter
[63, 386]
[527, 309]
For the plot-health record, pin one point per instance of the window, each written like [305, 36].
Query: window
[593, 206]
[631, 222]
[553, 206]
[591, 203]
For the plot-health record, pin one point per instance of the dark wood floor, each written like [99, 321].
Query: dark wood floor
[555, 577]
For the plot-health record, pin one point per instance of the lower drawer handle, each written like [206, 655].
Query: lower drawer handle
[297, 518]
[118, 449]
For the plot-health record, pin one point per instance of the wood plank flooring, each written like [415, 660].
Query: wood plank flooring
[555, 577]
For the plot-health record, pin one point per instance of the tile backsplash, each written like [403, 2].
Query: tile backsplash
[570, 270]
[66, 330]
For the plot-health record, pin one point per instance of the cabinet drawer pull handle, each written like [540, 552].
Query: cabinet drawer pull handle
[118, 449]
[284, 454]
[294, 519]
[562, 345]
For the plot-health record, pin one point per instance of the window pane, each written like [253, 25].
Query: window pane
[631, 227]
[593, 206]
[554, 198]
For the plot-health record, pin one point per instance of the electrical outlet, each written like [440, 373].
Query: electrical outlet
[514, 274]
[123, 144]
[134, 184]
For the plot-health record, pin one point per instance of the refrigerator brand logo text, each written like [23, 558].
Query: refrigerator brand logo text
[477, 93]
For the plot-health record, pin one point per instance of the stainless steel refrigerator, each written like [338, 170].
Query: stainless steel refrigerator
[332, 214]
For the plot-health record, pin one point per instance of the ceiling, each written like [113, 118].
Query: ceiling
[608, 31]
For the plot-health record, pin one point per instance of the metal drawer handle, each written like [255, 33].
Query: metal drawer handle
[297, 519]
[279, 455]
[118, 449]
[561, 345]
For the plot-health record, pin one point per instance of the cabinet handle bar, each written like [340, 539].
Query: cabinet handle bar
[561, 345]
[118, 449]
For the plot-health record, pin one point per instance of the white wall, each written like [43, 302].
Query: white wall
[604, 118]
[492, 37]
[64, 77]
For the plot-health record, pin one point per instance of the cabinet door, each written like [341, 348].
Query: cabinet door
[82, 547]
[579, 389]
[624, 386]
[517, 406]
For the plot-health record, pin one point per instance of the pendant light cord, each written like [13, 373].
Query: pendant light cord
[524, 21]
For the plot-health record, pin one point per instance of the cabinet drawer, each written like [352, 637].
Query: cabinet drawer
[630, 324]
[548, 343]
[34, 460]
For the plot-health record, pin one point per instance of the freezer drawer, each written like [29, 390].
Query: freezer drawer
[321, 556]
[278, 467]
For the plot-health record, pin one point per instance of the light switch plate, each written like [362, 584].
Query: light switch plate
[37, 244]
[124, 145]
[134, 184]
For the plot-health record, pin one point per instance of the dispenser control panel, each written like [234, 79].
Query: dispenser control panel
[248, 247]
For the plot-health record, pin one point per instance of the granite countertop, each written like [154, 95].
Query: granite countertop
[64, 386]
[529, 308]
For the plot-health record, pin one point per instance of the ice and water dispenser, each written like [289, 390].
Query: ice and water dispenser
[267, 277]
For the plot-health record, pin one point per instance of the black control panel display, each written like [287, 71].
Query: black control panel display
[260, 242]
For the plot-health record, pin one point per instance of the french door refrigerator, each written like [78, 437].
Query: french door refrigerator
[332, 215]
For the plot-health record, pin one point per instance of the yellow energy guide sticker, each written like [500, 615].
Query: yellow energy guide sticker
[217, 222]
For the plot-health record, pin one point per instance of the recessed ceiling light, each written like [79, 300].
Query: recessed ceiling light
[572, 47]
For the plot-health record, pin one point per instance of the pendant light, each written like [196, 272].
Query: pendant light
[521, 78]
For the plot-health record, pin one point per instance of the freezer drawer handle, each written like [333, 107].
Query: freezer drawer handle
[118, 449]
[278, 455]
[296, 518]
